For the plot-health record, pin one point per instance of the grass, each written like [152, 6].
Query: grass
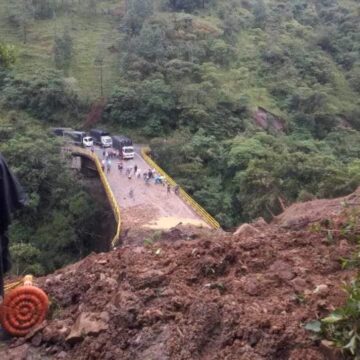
[91, 35]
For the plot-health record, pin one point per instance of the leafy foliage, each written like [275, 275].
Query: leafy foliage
[258, 100]
[63, 51]
[58, 225]
[46, 96]
[342, 325]
[7, 55]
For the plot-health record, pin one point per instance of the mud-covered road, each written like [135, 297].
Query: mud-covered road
[146, 205]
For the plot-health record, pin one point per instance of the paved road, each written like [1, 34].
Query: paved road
[151, 205]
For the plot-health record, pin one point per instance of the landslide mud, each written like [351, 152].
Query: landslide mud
[197, 294]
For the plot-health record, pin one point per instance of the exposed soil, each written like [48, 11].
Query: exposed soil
[198, 294]
[302, 214]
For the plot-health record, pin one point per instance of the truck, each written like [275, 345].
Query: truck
[101, 137]
[124, 145]
[59, 131]
[78, 138]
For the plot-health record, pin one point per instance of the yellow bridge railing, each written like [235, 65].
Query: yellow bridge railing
[182, 193]
[110, 195]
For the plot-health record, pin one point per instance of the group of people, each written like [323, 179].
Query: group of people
[135, 171]
[107, 156]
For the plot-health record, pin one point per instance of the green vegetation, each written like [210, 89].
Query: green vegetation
[58, 225]
[341, 327]
[250, 104]
[258, 100]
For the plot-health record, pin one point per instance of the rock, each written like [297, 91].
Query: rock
[298, 284]
[55, 332]
[150, 279]
[102, 261]
[329, 351]
[252, 286]
[112, 283]
[343, 249]
[322, 290]
[282, 270]
[259, 222]
[296, 223]
[61, 355]
[88, 324]
[17, 353]
[58, 278]
[250, 244]
[246, 230]
[36, 340]
[35, 330]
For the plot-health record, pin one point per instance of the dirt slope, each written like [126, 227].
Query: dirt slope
[196, 294]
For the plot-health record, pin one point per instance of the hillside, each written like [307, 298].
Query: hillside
[197, 294]
[250, 104]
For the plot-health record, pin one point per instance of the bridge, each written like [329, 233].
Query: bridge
[137, 205]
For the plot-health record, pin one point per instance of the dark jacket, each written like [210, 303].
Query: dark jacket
[12, 197]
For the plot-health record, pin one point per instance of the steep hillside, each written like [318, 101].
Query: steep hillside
[250, 104]
[200, 295]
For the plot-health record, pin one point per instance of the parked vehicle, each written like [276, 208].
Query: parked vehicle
[124, 145]
[59, 131]
[79, 138]
[101, 137]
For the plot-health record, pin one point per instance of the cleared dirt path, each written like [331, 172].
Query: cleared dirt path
[150, 206]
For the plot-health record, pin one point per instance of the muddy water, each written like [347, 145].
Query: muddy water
[171, 221]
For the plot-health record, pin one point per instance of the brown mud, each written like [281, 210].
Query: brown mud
[199, 294]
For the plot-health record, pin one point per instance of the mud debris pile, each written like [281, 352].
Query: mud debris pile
[196, 294]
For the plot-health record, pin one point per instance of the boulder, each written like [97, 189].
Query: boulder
[17, 353]
[282, 270]
[246, 230]
[88, 324]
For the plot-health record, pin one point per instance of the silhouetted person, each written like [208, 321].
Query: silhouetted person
[12, 197]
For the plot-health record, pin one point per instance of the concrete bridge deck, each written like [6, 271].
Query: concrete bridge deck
[150, 206]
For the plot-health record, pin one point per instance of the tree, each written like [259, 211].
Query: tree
[137, 11]
[43, 9]
[151, 43]
[63, 51]
[99, 62]
[59, 223]
[260, 13]
[21, 15]
[186, 5]
[7, 55]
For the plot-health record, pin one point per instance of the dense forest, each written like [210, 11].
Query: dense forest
[250, 104]
[58, 224]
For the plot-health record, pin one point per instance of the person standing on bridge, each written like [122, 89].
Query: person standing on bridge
[108, 165]
[131, 194]
[176, 189]
[168, 189]
[135, 169]
[120, 165]
[129, 172]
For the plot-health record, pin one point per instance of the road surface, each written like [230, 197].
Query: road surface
[147, 205]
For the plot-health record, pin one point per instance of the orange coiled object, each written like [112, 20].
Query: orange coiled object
[23, 308]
